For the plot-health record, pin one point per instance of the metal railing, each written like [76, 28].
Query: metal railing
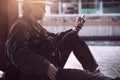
[100, 7]
[87, 7]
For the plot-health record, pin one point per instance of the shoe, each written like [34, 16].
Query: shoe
[97, 70]
[116, 78]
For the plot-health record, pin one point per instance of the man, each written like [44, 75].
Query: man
[36, 54]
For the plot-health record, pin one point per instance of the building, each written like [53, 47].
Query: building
[85, 6]
[81, 7]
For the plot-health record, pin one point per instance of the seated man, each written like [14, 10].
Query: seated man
[36, 54]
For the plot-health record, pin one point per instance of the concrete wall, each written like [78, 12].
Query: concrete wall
[95, 25]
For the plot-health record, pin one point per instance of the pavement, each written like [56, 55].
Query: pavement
[108, 58]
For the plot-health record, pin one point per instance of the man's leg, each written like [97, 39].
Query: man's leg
[72, 42]
[29, 77]
[76, 74]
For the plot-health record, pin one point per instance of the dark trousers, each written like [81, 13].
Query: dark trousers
[72, 42]
[76, 74]
[70, 74]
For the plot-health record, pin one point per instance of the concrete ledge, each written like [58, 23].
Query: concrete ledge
[91, 19]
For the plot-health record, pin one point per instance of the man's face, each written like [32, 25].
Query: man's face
[38, 10]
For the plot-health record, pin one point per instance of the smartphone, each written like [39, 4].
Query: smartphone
[79, 21]
[81, 18]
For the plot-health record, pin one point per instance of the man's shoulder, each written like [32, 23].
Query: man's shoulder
[21, 22]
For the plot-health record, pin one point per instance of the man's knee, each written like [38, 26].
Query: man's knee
[72, 34]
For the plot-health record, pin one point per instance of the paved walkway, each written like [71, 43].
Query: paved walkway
[108, 58]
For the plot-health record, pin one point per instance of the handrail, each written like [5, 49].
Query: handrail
[89, 15]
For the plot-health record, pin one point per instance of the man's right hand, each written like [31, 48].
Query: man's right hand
[52, 71]
[79, 24]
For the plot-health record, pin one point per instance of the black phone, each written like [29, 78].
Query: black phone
[81, 18]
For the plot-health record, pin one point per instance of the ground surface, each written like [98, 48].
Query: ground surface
[108, 58]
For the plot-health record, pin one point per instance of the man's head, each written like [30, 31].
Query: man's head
[34, 8]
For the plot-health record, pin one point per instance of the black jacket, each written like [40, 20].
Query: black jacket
[21, 48]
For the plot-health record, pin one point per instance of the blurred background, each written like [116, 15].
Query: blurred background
[101, 30]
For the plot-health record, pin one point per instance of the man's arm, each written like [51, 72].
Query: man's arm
[58, 36]
[27, 61]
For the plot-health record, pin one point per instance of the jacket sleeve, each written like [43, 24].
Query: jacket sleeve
[58, 36]
[21, 56]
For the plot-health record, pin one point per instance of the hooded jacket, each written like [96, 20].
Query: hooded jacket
[23, 47]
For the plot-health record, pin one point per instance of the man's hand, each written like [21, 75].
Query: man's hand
[52, 71]
[79, 23]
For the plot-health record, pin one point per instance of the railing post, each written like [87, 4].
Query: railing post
[19, 8]
[60, 6]
[101, 6]
[79, 7]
